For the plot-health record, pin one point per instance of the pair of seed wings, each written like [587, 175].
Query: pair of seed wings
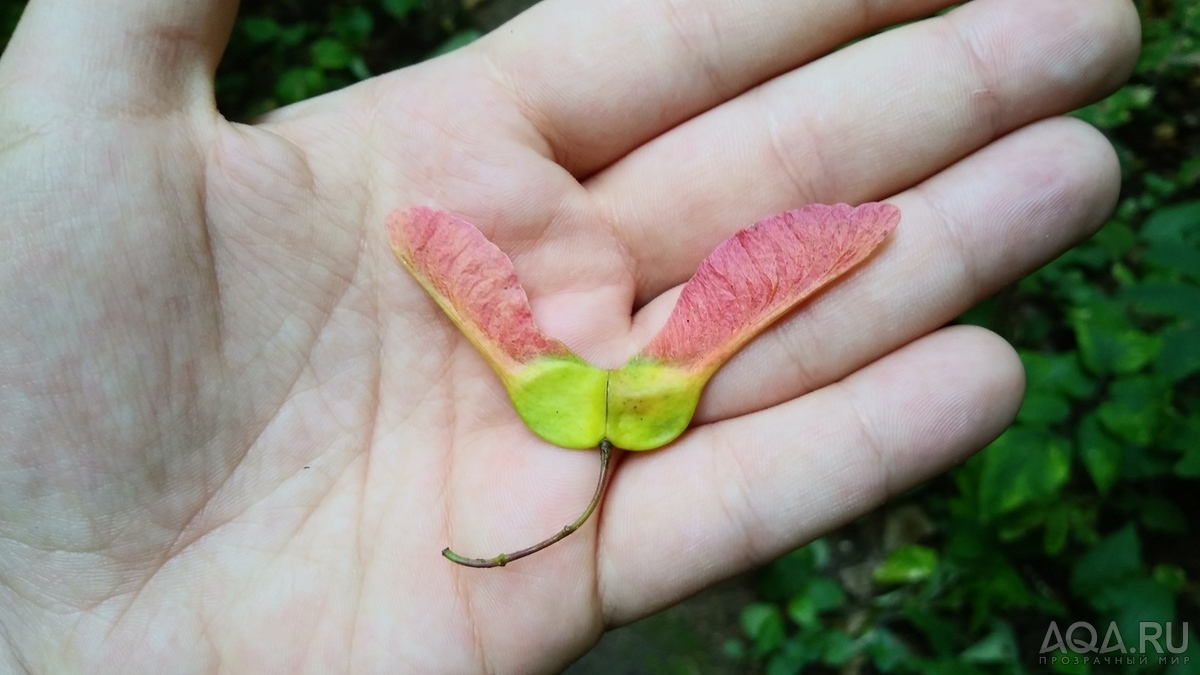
[749, 281]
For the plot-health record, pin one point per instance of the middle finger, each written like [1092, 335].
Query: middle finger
[861, 124]
[984, 222]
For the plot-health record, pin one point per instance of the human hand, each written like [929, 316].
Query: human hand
[234, 435]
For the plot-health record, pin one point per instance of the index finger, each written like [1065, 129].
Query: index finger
[861, 124]
[598, 79]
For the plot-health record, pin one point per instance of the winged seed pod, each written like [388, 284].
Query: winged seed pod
[749, 281]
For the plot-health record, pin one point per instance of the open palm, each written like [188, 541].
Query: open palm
[235, 435]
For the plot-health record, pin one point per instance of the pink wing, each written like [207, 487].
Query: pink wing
[760, 273]
[473, 281]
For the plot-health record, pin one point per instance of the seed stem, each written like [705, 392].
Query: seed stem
[505, 558]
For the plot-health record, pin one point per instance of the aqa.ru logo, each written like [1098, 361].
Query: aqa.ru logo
[1082, 640]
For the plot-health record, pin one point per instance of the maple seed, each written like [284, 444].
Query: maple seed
[505, 558]
[750, 280]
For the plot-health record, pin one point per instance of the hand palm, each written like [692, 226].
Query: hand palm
[258, 433]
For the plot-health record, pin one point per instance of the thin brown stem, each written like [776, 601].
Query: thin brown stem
[505, 558]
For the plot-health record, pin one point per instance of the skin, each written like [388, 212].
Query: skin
[231, 440]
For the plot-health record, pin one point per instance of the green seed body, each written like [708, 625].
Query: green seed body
[649, 404]
[641, 406]
[561, 399]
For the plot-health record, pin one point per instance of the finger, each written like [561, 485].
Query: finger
[739, 493]
[965, 233]
[862, 123]
[599, 79]
[134, 57]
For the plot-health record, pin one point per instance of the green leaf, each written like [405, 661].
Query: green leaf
[1159, 185]
[259, 29]
[886, 650]
[944, 636]
[1127, 209]
[459, 39]
[1083, 523]
[1173, 224]
[802, 611]
[907, 564]
[789, 660]
[1115, 238]
[734, 649]
[1121, 274]
[1022, 466]
[994, 586]
[353, 25]
[1058, 527]
[297, 84]
[1190, 20]
[1155, 54]
[1145, 461]
[1108, 342]
[1182, 434]
[1170, 577]
[790, 575]
[400, 8]
[821, 594]
[1057, 373]
[1189, 466]
[1136, 600]
[983, 314]
[826, 594]
[763, 624]
[1089, 255]
[1176, 257]
[837, 648]
[1020, 522]
[1040, 408]
[1136, 408]
[294, 35]
[1112, 559]
[1189, 170]
[1180, 355]
[358, 67]
[1101, 455]
[330, 54]
[1165, 298]
[1118, 108]
[1160, 514]
[1000, 646]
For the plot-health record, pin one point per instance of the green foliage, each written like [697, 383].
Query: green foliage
[287, 51]
[1079, 511]
[1118, 109]
[9, 13]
